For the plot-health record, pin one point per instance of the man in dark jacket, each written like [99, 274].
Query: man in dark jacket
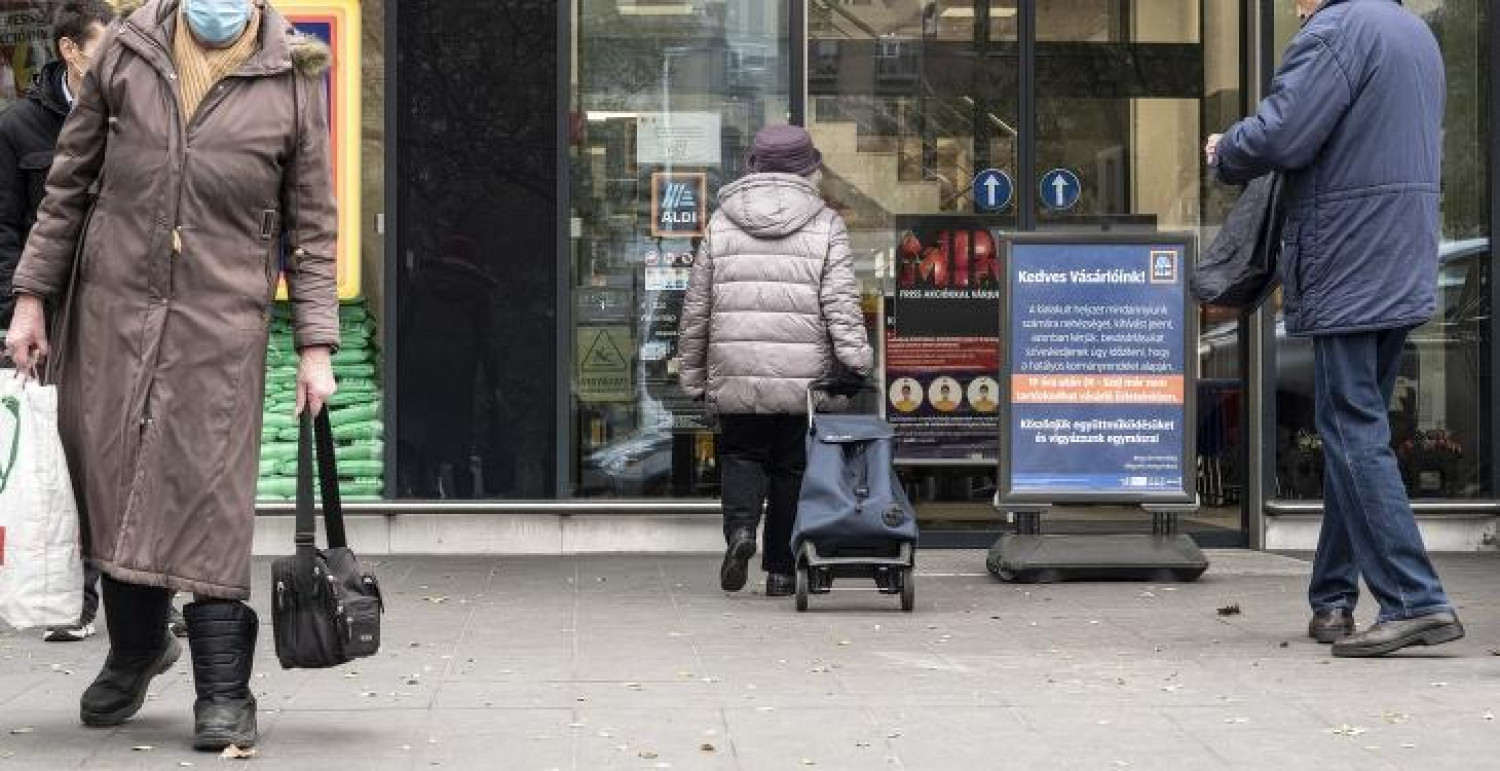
[1355, 120]
[28, 134]
[29, 129]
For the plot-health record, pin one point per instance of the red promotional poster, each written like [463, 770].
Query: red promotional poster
[942, 344]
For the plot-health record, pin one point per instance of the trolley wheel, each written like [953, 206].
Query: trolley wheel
[908, 589]
[802, 586]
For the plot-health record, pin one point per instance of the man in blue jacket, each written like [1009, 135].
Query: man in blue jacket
[1355, 119]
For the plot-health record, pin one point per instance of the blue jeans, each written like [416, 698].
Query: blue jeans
[1368, 526]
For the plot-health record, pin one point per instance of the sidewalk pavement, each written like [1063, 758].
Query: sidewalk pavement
[632, 662]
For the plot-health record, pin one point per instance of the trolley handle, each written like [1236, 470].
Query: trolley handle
[849, 386]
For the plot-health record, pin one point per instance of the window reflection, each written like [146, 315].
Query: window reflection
[1440, 415]
[666, 98]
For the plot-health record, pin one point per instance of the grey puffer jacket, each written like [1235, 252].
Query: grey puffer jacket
[773, 300]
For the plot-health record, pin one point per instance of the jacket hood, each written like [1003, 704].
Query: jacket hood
[770, 205]
[309, 55]
[47, 91]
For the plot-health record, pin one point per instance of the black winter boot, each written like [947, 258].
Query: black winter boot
[221, 634]
[139, 649]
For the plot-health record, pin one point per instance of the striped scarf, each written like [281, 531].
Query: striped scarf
[200, 68]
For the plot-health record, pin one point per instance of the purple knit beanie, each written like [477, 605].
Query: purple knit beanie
[784, 150]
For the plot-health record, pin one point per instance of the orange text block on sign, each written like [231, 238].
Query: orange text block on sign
[1097, 389]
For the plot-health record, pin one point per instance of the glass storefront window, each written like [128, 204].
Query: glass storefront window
[666, 98]
[475, 274]
[25, 47]
[908, 101]
[1441, 413]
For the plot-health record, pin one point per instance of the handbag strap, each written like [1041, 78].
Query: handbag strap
[328, 483]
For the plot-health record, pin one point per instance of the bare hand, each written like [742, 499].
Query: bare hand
[26, 344]
[1211, 149]
[315, 383]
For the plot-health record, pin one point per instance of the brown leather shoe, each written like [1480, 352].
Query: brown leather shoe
[1391, 636]
[1331, 625]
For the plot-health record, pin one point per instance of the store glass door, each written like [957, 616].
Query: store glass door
[1125, 93]
[928, 143]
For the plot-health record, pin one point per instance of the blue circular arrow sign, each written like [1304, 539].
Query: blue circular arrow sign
[1060, 189]
[993, 190]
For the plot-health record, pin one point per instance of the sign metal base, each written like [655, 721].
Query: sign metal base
[1166, 555]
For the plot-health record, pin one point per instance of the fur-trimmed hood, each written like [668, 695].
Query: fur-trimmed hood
[309, 55]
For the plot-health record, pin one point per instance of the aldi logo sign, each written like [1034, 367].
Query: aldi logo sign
[679, 205]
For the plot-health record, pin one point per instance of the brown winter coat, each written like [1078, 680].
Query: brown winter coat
[163, 369]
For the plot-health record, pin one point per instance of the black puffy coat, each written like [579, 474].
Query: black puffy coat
[28, 136]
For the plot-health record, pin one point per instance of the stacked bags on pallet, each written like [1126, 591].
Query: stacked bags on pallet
[355, 410]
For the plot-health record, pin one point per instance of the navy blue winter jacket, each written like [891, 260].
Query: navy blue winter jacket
[1355, 119]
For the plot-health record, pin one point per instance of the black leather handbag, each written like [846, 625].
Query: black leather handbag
[325, 607]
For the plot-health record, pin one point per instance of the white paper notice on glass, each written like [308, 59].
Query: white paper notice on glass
[678, 139]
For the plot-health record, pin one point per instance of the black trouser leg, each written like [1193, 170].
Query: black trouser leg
[786, 440]
[139, 649]
[90, 593]
[742, 459]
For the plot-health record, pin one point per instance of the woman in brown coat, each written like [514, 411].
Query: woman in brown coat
[198, 144]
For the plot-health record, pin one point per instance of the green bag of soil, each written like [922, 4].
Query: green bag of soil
[347, 398]
[354, 370]
[278, 451]
[278, 419]
[358, 385]
[347, 356]
[360, 449]
[361, 487]
[360, 469]
[279, 487]
[367, 429]
[356, 413]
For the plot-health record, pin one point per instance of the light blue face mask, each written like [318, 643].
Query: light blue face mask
[218, 22]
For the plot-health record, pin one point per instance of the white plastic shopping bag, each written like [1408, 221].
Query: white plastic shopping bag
[41, 565]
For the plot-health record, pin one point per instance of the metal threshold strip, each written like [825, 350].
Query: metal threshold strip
[1454, 509]
[684, 508]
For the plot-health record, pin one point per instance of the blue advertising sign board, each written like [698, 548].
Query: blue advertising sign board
[1098, 353]
[1060, 189]
[992, 190]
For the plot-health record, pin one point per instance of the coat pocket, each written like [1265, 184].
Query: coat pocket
[1291, 262]
[34, 168]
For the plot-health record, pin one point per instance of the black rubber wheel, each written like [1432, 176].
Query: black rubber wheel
[908, 589]
[802, 587]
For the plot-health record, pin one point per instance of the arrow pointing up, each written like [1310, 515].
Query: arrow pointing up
[990, 185]
[1060, 185]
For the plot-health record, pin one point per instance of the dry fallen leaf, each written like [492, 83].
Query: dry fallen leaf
[142, 748]
[22, 730]
[648, 755]
[1347, 730]
[706, 747]
[1230, 610]
[236, 752]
